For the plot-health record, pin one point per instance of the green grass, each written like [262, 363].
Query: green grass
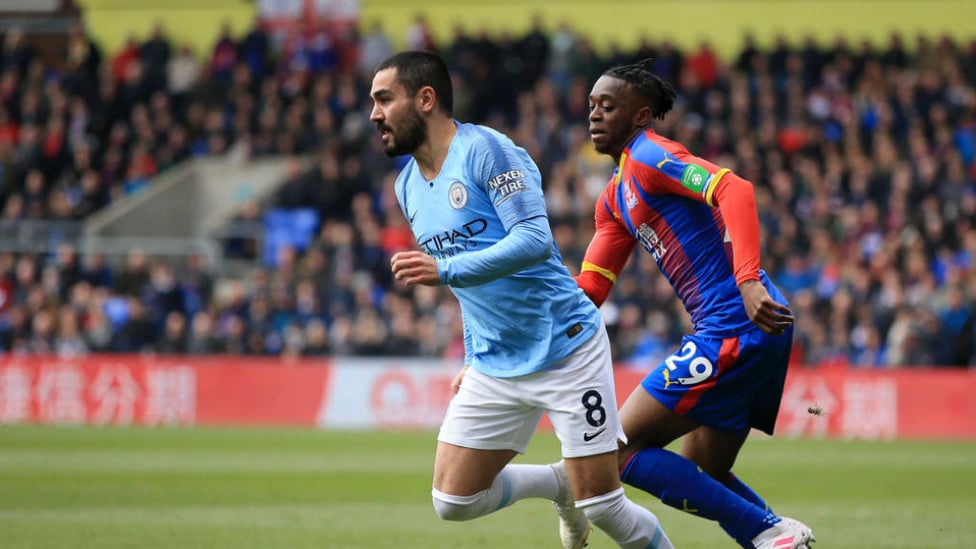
[230, 488]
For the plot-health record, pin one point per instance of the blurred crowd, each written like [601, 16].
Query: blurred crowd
[863, 158]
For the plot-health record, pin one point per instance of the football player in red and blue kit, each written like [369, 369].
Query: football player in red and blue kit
[699, 223]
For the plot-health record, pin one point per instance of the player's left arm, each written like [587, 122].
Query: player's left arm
[736, 199]
[514, 186]
[681, 173]
[700, 180]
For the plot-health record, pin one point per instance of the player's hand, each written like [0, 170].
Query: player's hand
[763, 311]
[413, 268]
[456, 382]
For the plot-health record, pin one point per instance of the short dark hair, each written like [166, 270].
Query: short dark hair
[416, 69]
[659, 93]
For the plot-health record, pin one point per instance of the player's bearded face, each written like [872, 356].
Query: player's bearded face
[396, 115]
[406, 135]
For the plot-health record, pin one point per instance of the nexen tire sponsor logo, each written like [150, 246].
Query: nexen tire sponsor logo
[449, 243]
[507, 183]
[505, 177]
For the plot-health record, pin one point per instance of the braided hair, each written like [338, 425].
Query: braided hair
[659, 94]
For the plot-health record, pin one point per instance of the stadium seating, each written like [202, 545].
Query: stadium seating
[864, 162]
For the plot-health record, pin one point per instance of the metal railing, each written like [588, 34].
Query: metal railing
[189, 209]
[38, 236]
[45, 237]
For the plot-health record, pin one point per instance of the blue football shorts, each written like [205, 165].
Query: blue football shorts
[729, 384]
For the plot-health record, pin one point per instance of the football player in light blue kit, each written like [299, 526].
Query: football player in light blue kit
[533, 341]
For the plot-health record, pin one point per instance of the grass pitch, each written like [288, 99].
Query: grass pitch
[286, 488]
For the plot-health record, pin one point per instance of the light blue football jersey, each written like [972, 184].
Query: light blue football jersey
[516, 324]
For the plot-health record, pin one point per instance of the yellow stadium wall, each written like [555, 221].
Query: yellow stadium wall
[688, 22]
[196, 23]
[685, 23]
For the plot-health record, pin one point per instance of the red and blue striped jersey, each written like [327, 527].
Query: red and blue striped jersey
[682, 210]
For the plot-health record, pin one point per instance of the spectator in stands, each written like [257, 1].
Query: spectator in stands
[369, 333]
[155, 55]
[419, 34]
[204, 338]
[182, 76]
[163, 294]
[97, 271]
[233, 334]
[97, 330]
[174, 337]
[316, 339]
[138, 331]
[293, 340]
[83, 61]
[224, 56]
[955, 332]
[135, 274]
[69, 341]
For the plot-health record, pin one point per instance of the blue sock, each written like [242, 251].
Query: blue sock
[745, 492]
[678, 482]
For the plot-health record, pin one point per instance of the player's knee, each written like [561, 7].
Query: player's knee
[458, 508]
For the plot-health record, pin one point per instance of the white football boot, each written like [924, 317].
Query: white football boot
[574, 527]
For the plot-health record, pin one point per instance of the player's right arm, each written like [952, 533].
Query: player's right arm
[607, 253]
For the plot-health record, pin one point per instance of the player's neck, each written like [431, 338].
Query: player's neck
[616, 156]
[430, 156]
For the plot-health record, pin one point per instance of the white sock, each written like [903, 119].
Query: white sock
[627, 523]
[529, 481]
[513, 483]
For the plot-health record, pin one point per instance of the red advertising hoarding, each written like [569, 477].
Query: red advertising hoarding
[341, 393]
[127, 390]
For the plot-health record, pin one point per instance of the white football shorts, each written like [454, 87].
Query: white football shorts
[491, 413]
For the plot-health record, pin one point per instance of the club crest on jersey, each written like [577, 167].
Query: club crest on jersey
[457, 194]
[629, 195]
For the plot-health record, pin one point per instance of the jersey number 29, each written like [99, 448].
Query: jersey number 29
[699, 367]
